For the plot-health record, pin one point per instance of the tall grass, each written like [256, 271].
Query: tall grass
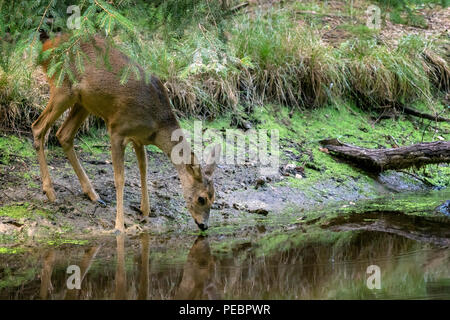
[259, 58]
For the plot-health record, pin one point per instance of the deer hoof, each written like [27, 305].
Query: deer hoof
[51, 195]
[101, 203]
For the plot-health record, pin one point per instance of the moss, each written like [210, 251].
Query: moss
[351, 125]
[23, 211]
[4, 250]
[95, 142]
[414, 204]
[58, 242]
[15, 147]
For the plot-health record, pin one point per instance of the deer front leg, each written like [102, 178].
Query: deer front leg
[118, 151]
[142, 161]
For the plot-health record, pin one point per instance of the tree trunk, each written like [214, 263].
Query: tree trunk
[378, 160]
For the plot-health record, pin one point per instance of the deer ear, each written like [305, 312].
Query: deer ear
[195, 168]
[213, 159]
[197, 172]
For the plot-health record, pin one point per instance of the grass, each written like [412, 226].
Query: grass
[14, 147]
[264, 57]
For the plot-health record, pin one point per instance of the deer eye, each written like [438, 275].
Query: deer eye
[201, 201]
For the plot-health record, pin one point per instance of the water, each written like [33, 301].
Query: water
[323, 263]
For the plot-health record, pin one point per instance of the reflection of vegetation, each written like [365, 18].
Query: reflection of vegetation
[325, 265]
[10, 279]
[305, 263]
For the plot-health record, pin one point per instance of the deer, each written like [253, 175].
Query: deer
[138, 111]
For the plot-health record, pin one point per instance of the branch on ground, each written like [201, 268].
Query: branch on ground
[424, 115]
[378, 160]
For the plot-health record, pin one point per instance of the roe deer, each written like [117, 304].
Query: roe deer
[136, 112]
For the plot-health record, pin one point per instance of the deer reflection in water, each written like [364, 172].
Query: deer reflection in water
[196, 282]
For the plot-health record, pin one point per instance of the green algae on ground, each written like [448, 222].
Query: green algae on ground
[23, 211]
[58, 242]
[5, 250]
[419, 204]
[13, 146]
[351, 125]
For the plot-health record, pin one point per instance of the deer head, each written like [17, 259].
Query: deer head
[198, 187]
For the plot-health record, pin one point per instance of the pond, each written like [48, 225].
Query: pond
[366, 256]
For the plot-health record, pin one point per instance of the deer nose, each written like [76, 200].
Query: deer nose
[202, 226]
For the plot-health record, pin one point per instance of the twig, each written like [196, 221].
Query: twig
[424, 180]
[40, 23]
[239, 7]
[86, 144]
[424, 115]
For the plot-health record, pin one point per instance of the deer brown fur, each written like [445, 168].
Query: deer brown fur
[137, 112]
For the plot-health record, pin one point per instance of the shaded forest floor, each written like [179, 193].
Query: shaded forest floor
[309, 179]
[294, 53]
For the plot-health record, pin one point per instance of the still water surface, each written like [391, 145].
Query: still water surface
[285, 265]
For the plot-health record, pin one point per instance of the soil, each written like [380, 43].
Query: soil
[242, 194]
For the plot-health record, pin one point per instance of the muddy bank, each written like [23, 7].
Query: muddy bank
[243, 197]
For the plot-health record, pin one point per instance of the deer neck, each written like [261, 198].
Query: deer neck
[170, 148]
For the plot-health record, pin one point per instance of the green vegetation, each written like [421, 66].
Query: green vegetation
[4, 250]
[407, 11]
[23, 211]
[61, 241]
[214, 62]
[301, 132]
[11, 279]
[12, 146]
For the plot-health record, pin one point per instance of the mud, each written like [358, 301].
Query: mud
[242, 194]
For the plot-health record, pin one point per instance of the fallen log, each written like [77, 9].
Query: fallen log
[424, 115]
[378, 160]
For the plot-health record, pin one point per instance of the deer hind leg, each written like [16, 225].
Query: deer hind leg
[60, 100]
[66, 135]
[118, 153]
[142, 161]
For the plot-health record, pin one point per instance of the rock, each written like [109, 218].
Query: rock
[293, 170]
[260, 211]
[260, 182]
[444, 208]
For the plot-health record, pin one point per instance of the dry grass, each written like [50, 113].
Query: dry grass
[267, 57]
